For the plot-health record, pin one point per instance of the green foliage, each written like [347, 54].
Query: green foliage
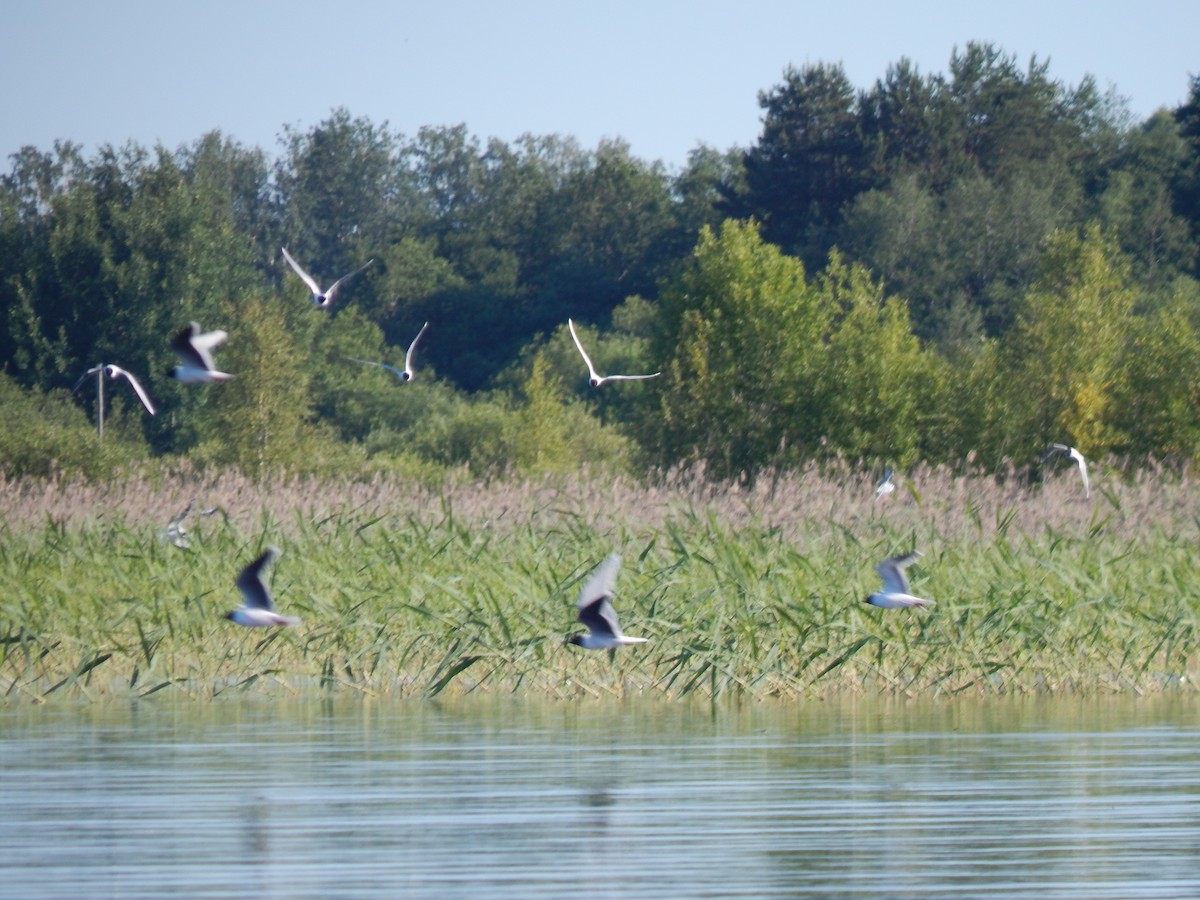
[942, 204]
[752, 594]
[260, 421]
[1065, 357]
[881, 378]
[769, 368]
[48, 435]
[741, 340]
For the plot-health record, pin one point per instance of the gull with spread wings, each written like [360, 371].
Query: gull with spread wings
[115, 372]
[407, 374]
[595, 379]
[323, 298]
[896, 593]
[597, 613]
[258, 607]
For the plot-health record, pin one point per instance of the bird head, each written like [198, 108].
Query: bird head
[576, 639]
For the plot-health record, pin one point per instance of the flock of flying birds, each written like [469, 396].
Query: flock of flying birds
[594, 606]
[194, 348]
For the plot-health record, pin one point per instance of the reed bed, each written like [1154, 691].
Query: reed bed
[754, 592]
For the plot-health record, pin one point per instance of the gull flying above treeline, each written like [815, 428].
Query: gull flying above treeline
[407, 374]
[115, 372]
[323, 299]
[595, 379]
[194, 349]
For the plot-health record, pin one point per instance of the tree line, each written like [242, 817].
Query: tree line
[938, 266]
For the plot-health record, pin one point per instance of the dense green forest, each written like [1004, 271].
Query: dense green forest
[951, 266]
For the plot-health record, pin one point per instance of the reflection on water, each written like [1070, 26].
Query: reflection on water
[498, 798]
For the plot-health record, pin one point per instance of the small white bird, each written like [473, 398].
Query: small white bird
[323, 299]
[115, 372]
[896, 593]
[598, 380]
[597, 613]
[1079, 461]
[194, 349]
[885, 486]
[258, 608]
[407, 374]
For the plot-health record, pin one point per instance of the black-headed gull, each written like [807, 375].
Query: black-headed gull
[407, 374]
[194, 349]
[597, 613]
[885, 485]
[323, 299]
[896, 593]
[258, 608]
[598, 380]
[115, 372]
[175, 532]
[1079, 461]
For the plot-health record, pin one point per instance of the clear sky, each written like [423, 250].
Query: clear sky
[664, 75]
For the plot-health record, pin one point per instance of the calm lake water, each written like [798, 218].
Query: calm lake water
[502, 798]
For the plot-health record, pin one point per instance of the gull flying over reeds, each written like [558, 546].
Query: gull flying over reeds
[115, 372]
[194, 349]
[175, 532]
[597, 613]
[323, 298]
[258, 608]
[1074, 454]
[896, 593]
[595, 379]
[407, 374]
[884, 486]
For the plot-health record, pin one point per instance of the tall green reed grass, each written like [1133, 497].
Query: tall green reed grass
[753, 592]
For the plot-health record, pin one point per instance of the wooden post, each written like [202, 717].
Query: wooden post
[100, 402]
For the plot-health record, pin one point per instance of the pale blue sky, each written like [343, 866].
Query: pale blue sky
[664, 76]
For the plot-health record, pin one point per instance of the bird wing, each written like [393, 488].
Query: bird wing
[252, 584]
[367, 362]
[587, 359]
[1083, 472]
[595, 598]
[189, 353]
[891, 570]
[630, 377]
[178, 520]
[408, 357]
[84, 377]
[117, 371]
[600, 618]
[308, 279]
[333, 287]
[207, 340]
[1055, 448]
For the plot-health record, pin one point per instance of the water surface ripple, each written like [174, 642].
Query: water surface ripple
[500, 799]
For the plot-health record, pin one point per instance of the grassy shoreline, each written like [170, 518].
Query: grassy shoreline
[469, 587]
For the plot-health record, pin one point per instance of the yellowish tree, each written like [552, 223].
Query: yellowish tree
[1065, 356]
[262, 418]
